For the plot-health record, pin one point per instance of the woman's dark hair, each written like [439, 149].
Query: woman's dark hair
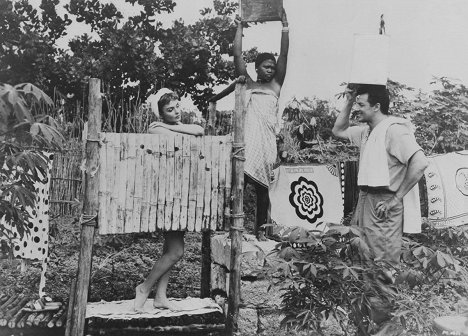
[376, 94]
[166, 99]
[262, 57]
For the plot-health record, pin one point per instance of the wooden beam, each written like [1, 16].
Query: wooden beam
[90, 208]
[237, 223]
[205, 279]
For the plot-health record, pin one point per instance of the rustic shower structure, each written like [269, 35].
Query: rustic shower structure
[144, 183]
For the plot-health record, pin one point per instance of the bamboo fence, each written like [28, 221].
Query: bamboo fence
[153, 182]
[66, 182]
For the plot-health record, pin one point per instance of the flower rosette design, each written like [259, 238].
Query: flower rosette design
[306, 199]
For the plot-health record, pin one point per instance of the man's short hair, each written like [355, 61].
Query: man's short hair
[376, 94]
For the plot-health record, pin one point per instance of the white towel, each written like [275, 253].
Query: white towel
[373, 171]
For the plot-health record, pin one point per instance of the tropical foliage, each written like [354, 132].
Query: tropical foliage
[26, 131]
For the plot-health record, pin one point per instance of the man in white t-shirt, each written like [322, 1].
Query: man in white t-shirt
[391, 163]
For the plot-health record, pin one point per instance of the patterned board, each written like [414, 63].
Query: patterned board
[307, 195]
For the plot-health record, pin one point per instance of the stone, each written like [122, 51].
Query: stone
[256, 294]
[218, 277]
[253, 256]
[247, 322]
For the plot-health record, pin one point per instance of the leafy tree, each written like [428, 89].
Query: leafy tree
[27, 52]
[25, 129]
[306, 136]
[136, 50]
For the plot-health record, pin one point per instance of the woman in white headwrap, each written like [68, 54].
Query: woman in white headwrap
[165, 104]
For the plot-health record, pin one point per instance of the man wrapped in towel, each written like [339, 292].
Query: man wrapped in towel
[391, 164]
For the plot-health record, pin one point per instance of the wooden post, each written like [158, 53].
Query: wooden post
[237, 223]
[90, 208]
[211, 118]
[205, 280]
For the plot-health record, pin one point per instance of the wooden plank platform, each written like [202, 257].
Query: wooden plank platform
[118, 317]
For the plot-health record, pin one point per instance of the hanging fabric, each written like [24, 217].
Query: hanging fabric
[307, 196]
[447, 189]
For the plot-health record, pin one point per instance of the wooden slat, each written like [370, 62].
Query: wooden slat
[227, 190]
[162, 182]
[147, 182]
[109, 178]
[207, 191]
[200, 184]
[140, 181]
[102, 193]
[114, 155]
[110, 181]
[130, 188]
[221, 183]
[121, 184]
[178, 169]
[214, 182]
[185, 181]
[154, 182]
[170, 177]
[192, 196]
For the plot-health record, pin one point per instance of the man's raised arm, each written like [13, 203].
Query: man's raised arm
[342, 121]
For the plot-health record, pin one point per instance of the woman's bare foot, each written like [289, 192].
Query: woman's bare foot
[164, 303]
[140, 298]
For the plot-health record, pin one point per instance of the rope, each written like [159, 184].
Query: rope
[239, 215]
[238, 147]
[237, 228]
[89, 220]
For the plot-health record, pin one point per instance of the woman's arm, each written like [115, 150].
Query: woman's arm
[161, 128]
[240, 68]
[223, 93]
[283, 57]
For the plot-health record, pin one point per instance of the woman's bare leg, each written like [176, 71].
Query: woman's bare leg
[263, 202]
[172, 253]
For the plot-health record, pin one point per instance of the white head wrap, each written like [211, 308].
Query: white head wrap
[154, 99]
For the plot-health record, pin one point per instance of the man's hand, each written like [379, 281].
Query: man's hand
[350, 93]
[382, 208]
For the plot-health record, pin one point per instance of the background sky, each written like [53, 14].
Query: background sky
[427, 38]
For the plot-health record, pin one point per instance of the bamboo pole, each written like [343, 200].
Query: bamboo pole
[237, 223]
[162, 182]
[140, 181]
[154, 182]
[192, 197]
[90, 207]
[185, 182]
[178, 170]
[205, 277]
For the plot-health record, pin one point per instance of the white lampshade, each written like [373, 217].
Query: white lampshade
[370, 59]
